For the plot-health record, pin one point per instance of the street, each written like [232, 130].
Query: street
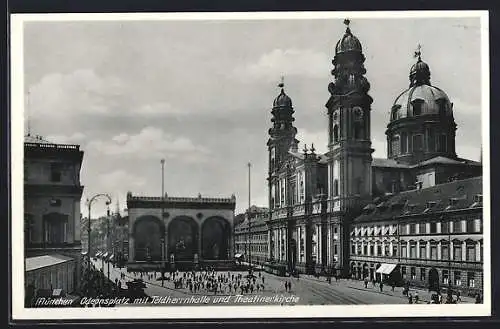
[309, 290]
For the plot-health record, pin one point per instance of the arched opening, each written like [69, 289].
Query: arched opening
[365, 270]
[433, 280]
[148, 232]
[55, 227]
[183, 238]
[293, 258]
[215, 239]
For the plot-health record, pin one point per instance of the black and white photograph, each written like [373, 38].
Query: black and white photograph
[250, 165]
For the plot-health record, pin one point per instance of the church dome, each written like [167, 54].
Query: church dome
[282, 100]
[420, 100]
[348, 42]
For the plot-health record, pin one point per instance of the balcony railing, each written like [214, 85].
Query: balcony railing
[299, 209]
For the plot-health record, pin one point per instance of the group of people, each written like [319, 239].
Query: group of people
[210, 281]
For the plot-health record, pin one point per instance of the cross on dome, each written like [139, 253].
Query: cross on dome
[282, 82]
[418, 52]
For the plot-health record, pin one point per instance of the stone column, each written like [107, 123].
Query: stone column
[452, 250]
[478, 251]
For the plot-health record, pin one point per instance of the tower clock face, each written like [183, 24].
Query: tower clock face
[358, 113]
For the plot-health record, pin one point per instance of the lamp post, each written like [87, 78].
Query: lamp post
[162, 161]
[249, 220]
[108, 247]
[108, 202]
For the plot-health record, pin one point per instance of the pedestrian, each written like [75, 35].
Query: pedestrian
[410, 299]
[416, 297]
[366, 282]
[458, 297]
[381, 285]
[392, 286]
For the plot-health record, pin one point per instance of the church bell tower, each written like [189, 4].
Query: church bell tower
[349, 144]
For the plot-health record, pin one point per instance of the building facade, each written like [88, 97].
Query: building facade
[251, 237]
[319, 204]
[52, 193]
[180, 233]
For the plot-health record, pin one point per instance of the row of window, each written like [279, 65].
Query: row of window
[459, 226]
[386, 250]
[56, 170]
[405, 143]
[458, 276]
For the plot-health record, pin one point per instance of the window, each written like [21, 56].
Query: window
[335, 250]
[336, 187]
[335, 230]
[456, 227]
[417, 107]
[442, 143]
[371, 249]
[336, 133]
[457, 253]
[434, 254]
[478, 225]
[55, 172]
[379, 250]
[422, 228]
[386, 249]
[413, 251]
[353, 249]
[431, 142]
[403, 251]
[403, 272]
[422, 274]
[394, 250]
[417, 142]
[423, 251]
[445, 277]
[470, 280]
[445, 227]
[433, 227]
[471, 253]
[413, 272]
[471, 227]
[404, 143]
[365, 250]
[358, 128]
[458, 281]
[395, 145]
[413, 228]
[445, 252]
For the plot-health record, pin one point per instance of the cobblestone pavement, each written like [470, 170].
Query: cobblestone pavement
[306, 290]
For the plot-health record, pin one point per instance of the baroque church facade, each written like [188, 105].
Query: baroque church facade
[316, 201]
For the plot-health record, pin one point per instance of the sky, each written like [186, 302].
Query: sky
[199, 93]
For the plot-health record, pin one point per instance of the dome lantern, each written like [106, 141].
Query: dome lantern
[348, 42]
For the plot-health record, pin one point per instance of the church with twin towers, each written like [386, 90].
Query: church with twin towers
[320, 203]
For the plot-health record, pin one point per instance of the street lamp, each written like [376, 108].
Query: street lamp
[162, 161]
[249, 220]
[89, 202]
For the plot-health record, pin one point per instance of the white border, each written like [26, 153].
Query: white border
[213, 312]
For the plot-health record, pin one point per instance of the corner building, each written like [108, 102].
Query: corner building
[319, 203]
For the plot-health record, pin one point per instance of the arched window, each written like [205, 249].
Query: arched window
[358, 129]
[417, 105]
[335, 133]
[395, 145]
[335, 187]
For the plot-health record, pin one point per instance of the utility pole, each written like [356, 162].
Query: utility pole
[162, 161]
[249, 219]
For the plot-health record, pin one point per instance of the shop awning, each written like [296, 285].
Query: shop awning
[386, 268]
